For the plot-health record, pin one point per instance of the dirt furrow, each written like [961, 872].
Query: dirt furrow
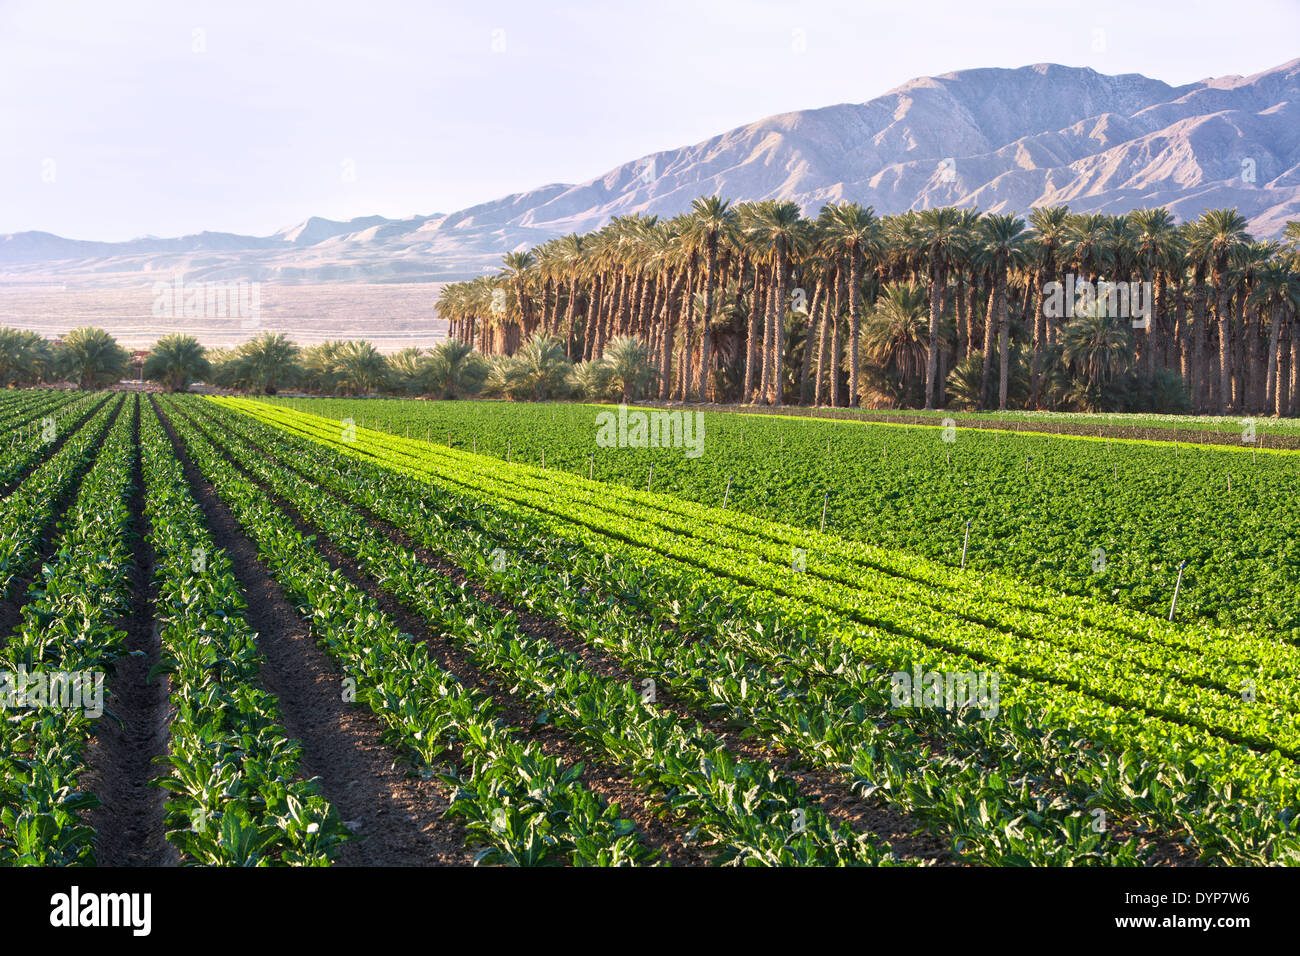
[129, 825]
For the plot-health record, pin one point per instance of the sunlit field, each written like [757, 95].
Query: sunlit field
[766, 640]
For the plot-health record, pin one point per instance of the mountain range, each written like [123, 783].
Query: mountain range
[1002, 140]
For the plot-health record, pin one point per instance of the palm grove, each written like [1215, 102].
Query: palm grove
[757, 303]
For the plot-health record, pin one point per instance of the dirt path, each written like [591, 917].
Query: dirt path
[129, 825]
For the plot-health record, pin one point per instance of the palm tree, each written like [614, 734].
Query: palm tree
[267, 362]
[1224, 232]
[176, 361]
[1088, 244]
[518, 266]
[572, 260]
[539, 370]
[1098, 346]
[778, 232]
[1005, 244]
[1051, 232]
[1277, 289]
[362, 368]
[1159, 243]
[452, 370]
[406, 370]
[26, 358]
[855, 232]
[591, 380]
[629, 369]
[961, 261]
[712, 218]
[1249, 374]
[320, 367]
[941, 230]
[92, 358]
[896, 336]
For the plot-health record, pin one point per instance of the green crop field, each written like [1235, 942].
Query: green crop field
[1106, 518]
[768, 641]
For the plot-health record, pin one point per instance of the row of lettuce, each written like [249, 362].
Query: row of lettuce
[1166, 768]
[1108, 519]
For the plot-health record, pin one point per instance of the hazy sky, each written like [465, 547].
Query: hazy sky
[120, 118]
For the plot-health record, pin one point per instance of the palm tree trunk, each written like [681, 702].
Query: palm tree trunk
[855, 324]
[706, 337]
[670, 383]
[1271, 403]
[688, 336]
[990, 332]
[1040, 336]
[779, 312]
[1223, 315]
[841, 293]
[1295, 366]
[1199, 339]
[592, 319]
[757, 296]
[550, 307]
[1282, 405]
[823, 349]
[765, 357]
[1175, 350]
[1247, 358]
[1004, 337]
[809, 335]
[570, 317]
[1156, 328]
[963, 328]
[936, 312]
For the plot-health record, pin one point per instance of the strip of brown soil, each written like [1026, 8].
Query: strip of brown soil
[905, 836]
[129, 824]
[397, 817]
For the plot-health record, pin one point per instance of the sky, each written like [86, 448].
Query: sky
[136, 118]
